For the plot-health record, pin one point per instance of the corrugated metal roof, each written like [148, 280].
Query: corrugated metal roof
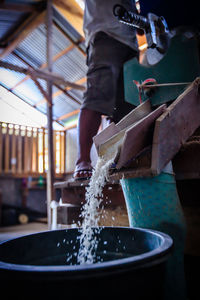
[63, 105]
[9, 78]
[29, 92]
[33, 47]
[9, 22]
[71, 66]
[32, 50]
[77, 94]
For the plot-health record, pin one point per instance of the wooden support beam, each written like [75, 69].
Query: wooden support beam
[62, 152]
[18, 7]
[46, 75]
[72, 12]
[7, 151]
[68, 115]
[51, 163]
[36, 152]
[34, 149]
[138, 137]
[31, 152]
[63, 91]
[76, 44]
[43, 66]
[43, 92]
[19, 152]
[13, 152]
[26, 153]
[43, 150]
[59, 55]
[67, 88]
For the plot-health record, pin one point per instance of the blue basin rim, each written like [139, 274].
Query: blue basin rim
[147, 259]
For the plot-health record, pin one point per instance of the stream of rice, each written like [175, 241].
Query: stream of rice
[90, 211]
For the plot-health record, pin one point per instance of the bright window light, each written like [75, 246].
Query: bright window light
[16, 111]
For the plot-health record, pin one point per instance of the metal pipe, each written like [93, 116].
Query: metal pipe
[50, 172]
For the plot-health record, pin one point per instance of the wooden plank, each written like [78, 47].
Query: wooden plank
[65, 152]
[131, 173]
[26, 150]
[71, 183]
[19, 152]
[68, 115]
[43, 148]
[13, 152]
[31, 152]
[135, 115]
[7, 150]
[104, 135]
[138, 136]
[54, 147]
[108, 134]
[61, 152]
[111, 144]
[37, 152]
[34, 152]
[17, 7]
[175, 126]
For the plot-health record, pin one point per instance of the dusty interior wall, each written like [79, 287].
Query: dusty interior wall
[13, 193]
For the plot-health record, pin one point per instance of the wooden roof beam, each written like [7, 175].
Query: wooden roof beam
[68, 115]
[18, 7]
[43, 66]
[76, 44]
[28, 26]
[61, 91]
[55, 78]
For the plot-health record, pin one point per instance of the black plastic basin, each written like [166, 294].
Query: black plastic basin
[132, 260]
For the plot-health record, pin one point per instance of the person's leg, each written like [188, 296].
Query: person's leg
[88, 125]
[105, 58]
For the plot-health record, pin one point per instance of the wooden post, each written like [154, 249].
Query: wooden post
[61, 151]
[26, 153]
[19, 151]
[50, 172]
[64, 160]
[37, 152]
[43, 150]
[13, 152]
[7, 150]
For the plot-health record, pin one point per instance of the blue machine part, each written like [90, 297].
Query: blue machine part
[180, 64]
[154, 203]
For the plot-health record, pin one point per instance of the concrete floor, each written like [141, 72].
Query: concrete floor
[9, 232]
